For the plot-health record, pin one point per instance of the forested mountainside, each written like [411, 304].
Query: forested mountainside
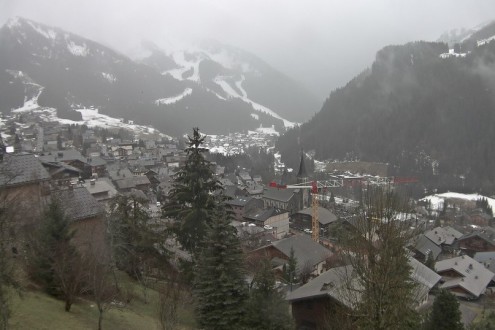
[427, 110]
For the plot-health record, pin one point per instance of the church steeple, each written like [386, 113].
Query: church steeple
[302, 175]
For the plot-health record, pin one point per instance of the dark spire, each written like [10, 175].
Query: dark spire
[302, 168]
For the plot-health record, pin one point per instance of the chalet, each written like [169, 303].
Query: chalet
[71, 157]
[464, 276]
[423, 247]
[303, 219]
[487, 259]
[86, 215]
[242, 206]
[477, 241]
[285, 199]
[62, 172]
[307, 252]
[339, 289]
[24, 184]
[101, 189]
[272, 219]
[445, 237]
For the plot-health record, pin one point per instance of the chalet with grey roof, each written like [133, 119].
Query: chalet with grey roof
[464, 276]
[339, 288]
[285, 199]
[302, 219]
[86, 215]
[272, 219]
[306, 251]
[423, 247]
[487, 259]
[477, 241]
[242, 205]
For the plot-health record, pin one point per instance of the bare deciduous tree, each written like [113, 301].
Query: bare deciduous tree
[101, 287]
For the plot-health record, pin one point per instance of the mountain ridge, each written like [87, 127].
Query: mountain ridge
[74, 72]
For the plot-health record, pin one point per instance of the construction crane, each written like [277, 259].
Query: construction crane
[315, 197]
[335, 183]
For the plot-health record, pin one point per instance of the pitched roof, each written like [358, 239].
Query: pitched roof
[282, 195]
[325, 216]
[425, 246]
[336, 283]
[239, 201]
[79, 203]
[330, 283]
[479, 234]
[487, 259]
[63, 156]
[21, 169]
[305, 249]
[443, 235]
[265, 214]
[473, 276]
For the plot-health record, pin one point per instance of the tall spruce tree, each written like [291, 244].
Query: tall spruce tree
[445, 313]
[219, 283]
[191, 201]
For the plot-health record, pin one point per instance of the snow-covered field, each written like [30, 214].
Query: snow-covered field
[438, 200]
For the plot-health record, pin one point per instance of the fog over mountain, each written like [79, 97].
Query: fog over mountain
[321, 44]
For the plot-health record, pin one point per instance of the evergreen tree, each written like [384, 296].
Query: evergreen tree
[291, 268]
[219, 285]
[266, 308]
[57, 263]
[445, 314]
[134, 239]
[191, 201]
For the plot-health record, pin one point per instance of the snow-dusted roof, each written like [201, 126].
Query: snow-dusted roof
[472, 276]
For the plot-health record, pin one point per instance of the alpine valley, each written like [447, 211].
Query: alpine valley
[217, 87]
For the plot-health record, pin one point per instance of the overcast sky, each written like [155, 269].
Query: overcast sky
[321, 43]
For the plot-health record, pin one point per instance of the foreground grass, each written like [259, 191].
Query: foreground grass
[37, 310]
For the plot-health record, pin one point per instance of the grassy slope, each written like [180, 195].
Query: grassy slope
[36, 310]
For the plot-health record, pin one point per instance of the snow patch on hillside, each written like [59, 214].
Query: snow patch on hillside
[174, 99]
[77, 50]
[32, 91]
[484, 41]
[220, 80]
[49, 33]
[92, 118]
[108, 76]
[184, 66]
[13, 22]
[438, 200]
[255, 116]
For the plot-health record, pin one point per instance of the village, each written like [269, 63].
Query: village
[86, 168]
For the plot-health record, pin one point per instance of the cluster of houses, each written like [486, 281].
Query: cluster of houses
[84, 170]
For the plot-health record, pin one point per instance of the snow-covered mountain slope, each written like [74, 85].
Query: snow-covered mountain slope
[229, 72]
[68, 73]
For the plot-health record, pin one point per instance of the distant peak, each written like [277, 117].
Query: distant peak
[18, 22]
[14, 22]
